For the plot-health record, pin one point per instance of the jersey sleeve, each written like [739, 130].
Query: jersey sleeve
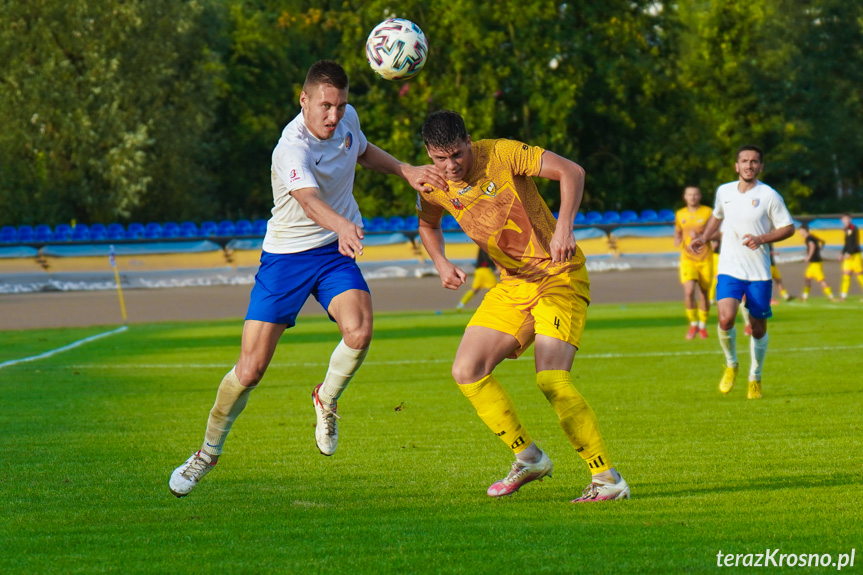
[524, 160]
[428, 211]
[718, 212]
[677, 226]
[778, 213]
[362, 142]
[291, 165]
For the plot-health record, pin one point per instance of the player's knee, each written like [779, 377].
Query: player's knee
[726, 322]
[358, 336]
[250, 372]
[466, 372]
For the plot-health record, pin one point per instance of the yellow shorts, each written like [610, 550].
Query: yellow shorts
[555, 306]
[774, 273]
[483, 278]
[853, 264]
[815, 271]
[701, 272]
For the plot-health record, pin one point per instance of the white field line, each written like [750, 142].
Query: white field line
[72, 345]
[579, 357]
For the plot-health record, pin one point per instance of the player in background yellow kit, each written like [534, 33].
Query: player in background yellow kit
[696, 269]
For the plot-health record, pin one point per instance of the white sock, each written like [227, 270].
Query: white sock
[758, 349]
[344, 363]
[702, 325]
[728, 342]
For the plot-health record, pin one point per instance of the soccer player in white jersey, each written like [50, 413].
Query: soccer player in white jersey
[312, 241]
[752, 215]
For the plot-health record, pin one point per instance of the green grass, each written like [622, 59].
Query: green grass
[90, 437]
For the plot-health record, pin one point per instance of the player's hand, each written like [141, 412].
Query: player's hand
[451, 276]
[677, 241]
[351, 240]
[424, 178]
[752, 242]
[697, 244]
[562, 244]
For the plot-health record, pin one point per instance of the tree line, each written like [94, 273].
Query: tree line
[156, 110]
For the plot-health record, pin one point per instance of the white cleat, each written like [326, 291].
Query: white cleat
[187, 476]
[327, 427]
[604, 492]
[520, 474]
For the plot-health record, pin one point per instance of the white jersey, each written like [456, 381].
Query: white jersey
[755, 213]
[300, 160]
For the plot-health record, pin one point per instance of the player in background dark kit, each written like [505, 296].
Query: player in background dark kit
[815, 269]
[484, 277]
[852, 261]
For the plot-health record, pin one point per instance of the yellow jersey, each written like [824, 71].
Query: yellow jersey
[499, 207]
[692, 224]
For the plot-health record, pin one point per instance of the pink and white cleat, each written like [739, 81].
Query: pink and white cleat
[604, 492]
[521, 473]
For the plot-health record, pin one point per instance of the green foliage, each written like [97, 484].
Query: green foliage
[164, 110]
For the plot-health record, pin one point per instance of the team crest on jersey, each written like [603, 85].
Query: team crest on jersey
[295, 175]
[489, 189]
[349, 141]
[755, 202]
[457, 204]
[465, 190]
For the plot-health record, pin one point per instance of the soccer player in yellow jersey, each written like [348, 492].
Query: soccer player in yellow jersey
[696, 269]
[542, 296]
[852, 261]
[815, 267]
[483, 278]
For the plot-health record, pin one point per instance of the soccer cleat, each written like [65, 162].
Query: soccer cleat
[519, 474]
[748, 329]
[327, 426]
[604, 492]
[702, 333]
[727, 381]
[187, 476]
[754, 389]
[693, 329]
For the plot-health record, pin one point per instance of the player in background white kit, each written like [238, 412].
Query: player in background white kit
[752, 215]
[310, 247]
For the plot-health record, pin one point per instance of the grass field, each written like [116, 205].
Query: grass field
[91, 435]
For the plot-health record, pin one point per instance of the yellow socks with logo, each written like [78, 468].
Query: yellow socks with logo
[692, 316]
[231, 399]
[576, 418]
[497, 411]
[702, 318]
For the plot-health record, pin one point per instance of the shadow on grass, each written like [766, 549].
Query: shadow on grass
[669, 490]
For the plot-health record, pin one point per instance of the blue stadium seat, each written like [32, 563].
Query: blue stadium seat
[377, 224]
[170, 230]
[8, 234]
[59, 228]
[25, 233]
[649, 216]
[395, 224]
[226, 228]
[628, 217]
[62, 233]
[188, 230]
[591, 218]
[98, 232]
[43, 233]
[259, 227]
[412, 223]
[135, 231]
[611, 217]
[244, 228]
[116, 231]
[579, 218]
[208, 228]
[449, 223]
[153, 231]
[666, 215]
[80, 233]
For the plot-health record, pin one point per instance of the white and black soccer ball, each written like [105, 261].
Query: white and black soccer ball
[397, 49]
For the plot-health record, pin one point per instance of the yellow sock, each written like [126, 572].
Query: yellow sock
[805, 292]
[467, 297]
[827, 291]
[576, 418]
[784, 293]
[497, 411]
[692, 315]
[846, 284]
[231, 399]
[702, 316]
[859, 280]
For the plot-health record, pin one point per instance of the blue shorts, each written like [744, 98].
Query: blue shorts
[285, 281]
[758, 294]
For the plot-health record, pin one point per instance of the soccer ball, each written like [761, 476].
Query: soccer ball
[397, 49]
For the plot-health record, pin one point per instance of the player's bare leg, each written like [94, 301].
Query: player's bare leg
[703, 311]
[257, 348]
[352, 311]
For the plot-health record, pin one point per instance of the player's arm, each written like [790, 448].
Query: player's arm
[421, 178]
[709, 233]
[571, 178]
[810, 250]
[350, 235]
[451, 276]
[777, 235]
[678, 233]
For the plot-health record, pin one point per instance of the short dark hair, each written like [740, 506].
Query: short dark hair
[751, 148]
[804, 226]
[328, 73]
[443, 130]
